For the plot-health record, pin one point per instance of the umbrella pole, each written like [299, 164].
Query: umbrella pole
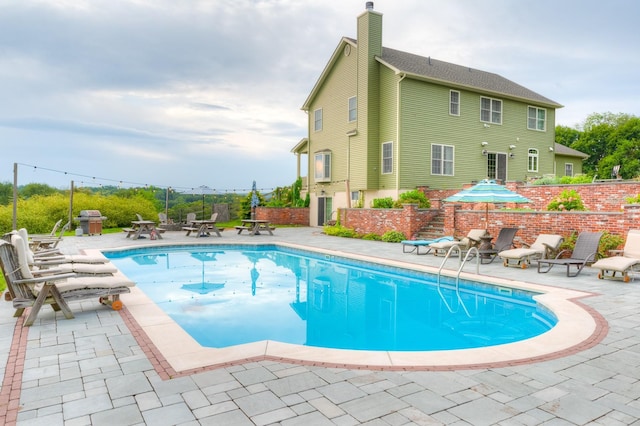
[486, 217]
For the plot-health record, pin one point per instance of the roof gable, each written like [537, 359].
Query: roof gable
[327, 69]
[429, 69]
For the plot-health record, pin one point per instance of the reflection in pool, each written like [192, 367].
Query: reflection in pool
[229, 295]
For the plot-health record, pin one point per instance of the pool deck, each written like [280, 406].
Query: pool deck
[99, 368]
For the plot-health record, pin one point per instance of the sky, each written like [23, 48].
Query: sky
[187, 93]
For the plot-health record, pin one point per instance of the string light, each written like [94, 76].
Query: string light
[120, 183]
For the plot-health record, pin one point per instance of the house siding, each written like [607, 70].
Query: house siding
[425, 120]
[561, 160]
[333, 98]
[388, 127]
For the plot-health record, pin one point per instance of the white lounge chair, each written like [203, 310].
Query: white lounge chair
[627, 261]
[52, 258]
[39, 268]
[26, 290]
[546, 246]
[471, 240]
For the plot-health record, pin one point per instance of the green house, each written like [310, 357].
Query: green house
[382, 122]
[568, 161]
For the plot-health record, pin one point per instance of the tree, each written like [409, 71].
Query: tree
[566, 135]
[603, 139]
[626, 142]
[33, 189]
[6, 193]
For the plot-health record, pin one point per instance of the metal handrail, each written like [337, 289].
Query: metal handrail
[472, 251]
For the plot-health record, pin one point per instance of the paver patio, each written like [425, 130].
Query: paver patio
[92, 370]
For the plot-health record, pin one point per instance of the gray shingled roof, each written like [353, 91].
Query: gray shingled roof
[432, 69]
[565, 150]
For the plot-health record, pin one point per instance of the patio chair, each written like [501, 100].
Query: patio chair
[545, 246]
[504, 241]
[409, 246]
[55, 290]
[584, 252]
[52, 257]
[39, 268]
[163, 219]
[627, 260]
[471, 240]
[51, 241]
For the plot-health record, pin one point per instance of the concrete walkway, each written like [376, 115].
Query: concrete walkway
[92, 371]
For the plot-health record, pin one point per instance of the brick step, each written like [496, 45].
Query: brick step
[433, 230]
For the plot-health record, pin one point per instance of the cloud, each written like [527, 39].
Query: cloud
[203, 91]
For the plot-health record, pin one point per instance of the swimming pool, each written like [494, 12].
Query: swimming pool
[226, 295]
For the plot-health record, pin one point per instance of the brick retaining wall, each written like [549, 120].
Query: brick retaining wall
[459, 220]
[284, 215]
[607, 196]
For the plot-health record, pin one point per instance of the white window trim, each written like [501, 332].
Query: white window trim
[383, 158]
[451, 103]
[315, 121]
[531, 154]
[453, 161]
[349, 120]
[545, 118]
[565, 169]
[319, 172]
[491, 111]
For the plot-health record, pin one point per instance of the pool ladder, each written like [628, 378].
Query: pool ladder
[473, 251]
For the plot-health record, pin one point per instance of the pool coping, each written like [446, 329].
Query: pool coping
[174, 353]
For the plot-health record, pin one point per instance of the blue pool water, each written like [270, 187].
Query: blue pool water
[229, 295]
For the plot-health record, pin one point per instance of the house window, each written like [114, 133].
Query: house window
[387, 157]
[355, 199]
[537, 119]
[317, 120]
[532, 162]
[442, 160]
[454, 102]
[568, 169]
[322, 166]
[353, 109]
[491, 110]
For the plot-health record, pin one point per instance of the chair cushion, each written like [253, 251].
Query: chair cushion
[616, 263]
[520, 253]
[79, 283]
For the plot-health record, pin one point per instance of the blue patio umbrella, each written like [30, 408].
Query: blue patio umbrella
[255, 201]
[487, 191]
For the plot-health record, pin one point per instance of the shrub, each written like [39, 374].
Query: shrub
[563, 180]
[340, 231]
[608, 242]
[633, 200]
[382, 203]
[413, 197]
[371, 237]
[545, 181]
[393, 237]
[567, 200]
